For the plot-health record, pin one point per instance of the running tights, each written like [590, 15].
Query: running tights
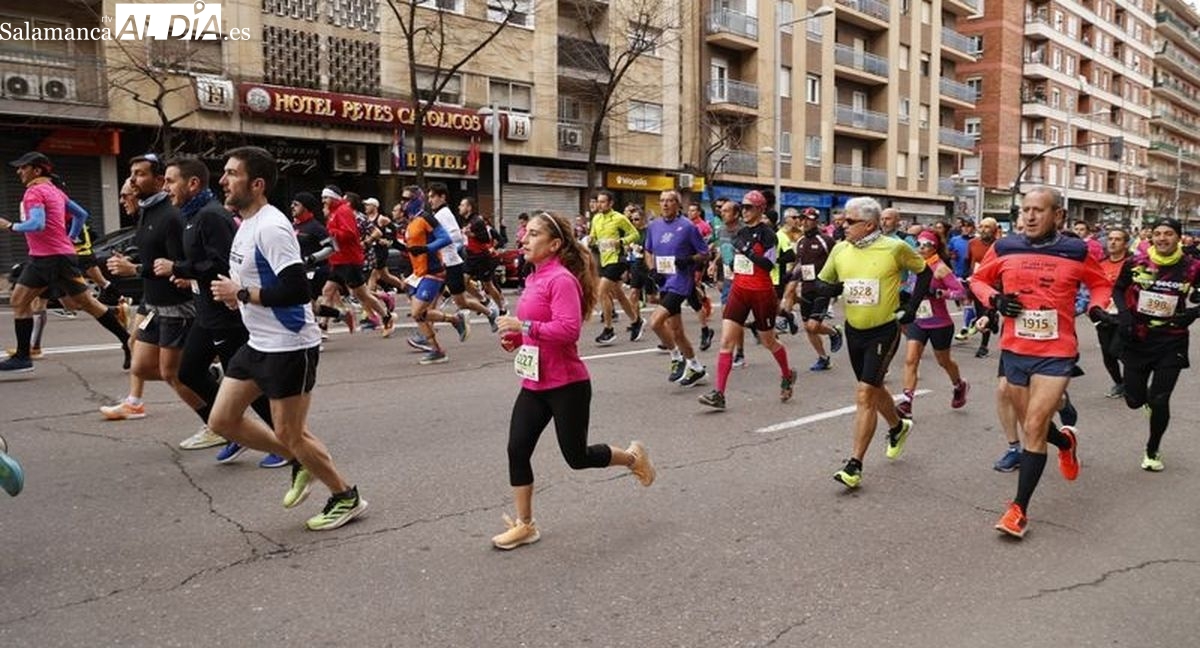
[569, 407]
[199, 349]
[1153, 387]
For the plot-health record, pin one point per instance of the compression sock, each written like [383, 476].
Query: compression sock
[1056, 438]
[724, 366]
[782, 360]
[1032, 465]
[24, 329]
[39, 325]
[109, 321]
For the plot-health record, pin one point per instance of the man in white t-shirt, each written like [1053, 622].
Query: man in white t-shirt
[456, 275]
[268, 283]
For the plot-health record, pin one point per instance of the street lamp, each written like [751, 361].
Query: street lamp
[776, 158]
[1071, 172]
[493, 114]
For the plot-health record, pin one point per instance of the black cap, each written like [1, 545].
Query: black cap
[1173, 223]
[33, 158]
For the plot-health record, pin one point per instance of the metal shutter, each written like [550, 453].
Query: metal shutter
[529, 198]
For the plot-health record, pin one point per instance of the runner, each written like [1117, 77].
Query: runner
[1110, 341]
[976, 249]
[674, 248]
[723, 254]
[609, 232]
[423, 239]
[555, 384]
[751, 292]
[812, 251]
[482, 242]
[346, 264]
[268, 285]
[1031, 280]
[865, 270]
[695, 213]
[456, 273]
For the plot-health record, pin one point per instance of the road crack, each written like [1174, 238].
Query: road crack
[1112, 572]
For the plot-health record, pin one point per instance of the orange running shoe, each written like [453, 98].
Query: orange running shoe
[1013, 522]
[1068, 461]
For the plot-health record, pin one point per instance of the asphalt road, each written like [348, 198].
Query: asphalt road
[745, 540]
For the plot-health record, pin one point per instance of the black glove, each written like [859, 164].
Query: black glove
[1125, 324]
[1186, 318]
[906, 315]
[1101, 316]
[829, 290]
[418, 249]
[743, 246]
[660, 279]
[1007, 304]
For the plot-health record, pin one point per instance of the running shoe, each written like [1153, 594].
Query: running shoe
[636, 329]
[231, 452]
[822, 364]
[1153, 464]
[273, 461]
[301, 485]
[1009, 461]
[959, 397]
[366, 324]
[519, 533]
[204, 438]
[836, 339]
[642, 467]
[389, 325]
[434, 357]
[706, 338]
[904, 407]
[1116, 391]
[1013, 522]
[606, 337]
[12, 478]
[982, 352]
[739, 359]
[15, 365]
[419, 342]
[1068, 459]
[338, 511]
[962, 334]
[781, 324]
[692, 376]
[785, 386]
[35, 353]
[895, 442]
[713, 399]
[849, 476]
[462, 326]
[124, 411]
[493, 313]
[64, 313]
[677, 367]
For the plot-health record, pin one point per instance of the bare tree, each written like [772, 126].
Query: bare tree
[155, 74]
[605, 61]
[439, 51]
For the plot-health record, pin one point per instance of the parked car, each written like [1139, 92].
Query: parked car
[508, 272]
[122, 241]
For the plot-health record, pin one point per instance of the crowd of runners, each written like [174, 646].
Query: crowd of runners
[239, 298]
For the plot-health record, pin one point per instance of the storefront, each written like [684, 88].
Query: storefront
[643, 189]
[534, 188]
[921, 212]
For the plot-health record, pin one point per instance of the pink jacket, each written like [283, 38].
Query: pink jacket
[551, 304]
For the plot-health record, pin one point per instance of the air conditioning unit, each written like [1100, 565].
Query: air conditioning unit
[685, 181]
[22, 85]
[570, 137]
[349, 158]
[58, 88]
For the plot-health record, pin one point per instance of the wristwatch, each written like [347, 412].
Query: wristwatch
[243, 295]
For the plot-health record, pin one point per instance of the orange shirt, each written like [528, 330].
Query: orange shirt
[420, 233]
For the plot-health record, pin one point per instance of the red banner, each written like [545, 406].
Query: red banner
[299, 104]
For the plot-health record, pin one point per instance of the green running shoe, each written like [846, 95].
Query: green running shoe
[301, 485]
[338, 511]
[850, 477]
[895, 446]
[1153, 464]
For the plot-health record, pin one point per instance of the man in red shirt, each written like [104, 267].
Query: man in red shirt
[346, 264]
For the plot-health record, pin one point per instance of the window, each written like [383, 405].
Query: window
[785, 144]
[786, 13]
[570, 108]
[812, 89]
[1053, 136]
[644, 39]
[1070, 65]
[976, 44]
[905, 7]
[812, 150]
[1055, 97]
[813, 28]
[924, 64]
[509, 95]
[923, 116]
[451, 92]
[518, 12]
[926, 12]
[976, 84]
[905, 110]
[785, 81]
[902, 165]
[923, 167]
[973, 126]
[59, 50]
[905, 54]
[185, 56]
[455, 6]
[645, 117]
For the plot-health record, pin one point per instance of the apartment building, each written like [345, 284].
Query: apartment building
[1173, 183]
[867, 101]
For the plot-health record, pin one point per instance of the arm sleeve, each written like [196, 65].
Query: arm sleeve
[35, 221]
[79, 218]
[566, 320]
[441, 238]
[292, 289]
[955, 289]
[924, 278]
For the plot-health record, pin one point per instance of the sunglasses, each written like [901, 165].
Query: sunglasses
[926, 244]
[853, 221]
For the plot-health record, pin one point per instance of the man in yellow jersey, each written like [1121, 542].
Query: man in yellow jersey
[865, 269]
[610, 232]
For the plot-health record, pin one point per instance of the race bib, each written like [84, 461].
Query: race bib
[742, 265]
[526, 362]
[412, 280]
[608, 245]
[195, 286]
[861, 292]
[146, 320]
[1156, 304]
[808, 272]
[1037, 324]
[924, 309]
[664, 265]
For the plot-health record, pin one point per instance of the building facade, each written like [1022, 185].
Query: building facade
[1173, 182]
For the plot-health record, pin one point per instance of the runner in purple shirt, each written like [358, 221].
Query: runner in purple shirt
[674, 249]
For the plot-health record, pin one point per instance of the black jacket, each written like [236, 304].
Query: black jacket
[207, 237]
[160, 236]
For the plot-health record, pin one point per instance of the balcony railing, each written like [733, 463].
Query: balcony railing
[732, 22]
[957, 139]
[734, 92]
[864, 119]
[1171, 53]
[958, 90]
[737, 162]
[955, 40]
[844, 174]
[1190, 127]
[581, 54]
[39, 77]
[865, 61]
[872, 8]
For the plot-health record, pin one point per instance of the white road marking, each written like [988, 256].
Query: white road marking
[813, 418]
[618, 354]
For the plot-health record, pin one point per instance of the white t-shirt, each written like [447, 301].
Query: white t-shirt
[449, 253]
[264, 245]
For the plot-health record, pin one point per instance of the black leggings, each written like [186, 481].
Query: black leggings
[198, 351]
[569, 407]
[1110, 351]
[1160, 382]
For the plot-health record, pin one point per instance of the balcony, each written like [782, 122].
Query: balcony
[731, 29]
[846, 175]
[575, 137]
[961, 7]
[1167, 150]
[733, 97]
[1172, 60]
[948, 137]
[1177, 31]
[1175, 91]
[582, 59]
[1190, 130]
[957, 93]
[734, 162]
[868, 14]
[860, 66]
[956, 46]
[866, 123]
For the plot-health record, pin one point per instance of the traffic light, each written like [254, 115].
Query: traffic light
[1116, 148]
